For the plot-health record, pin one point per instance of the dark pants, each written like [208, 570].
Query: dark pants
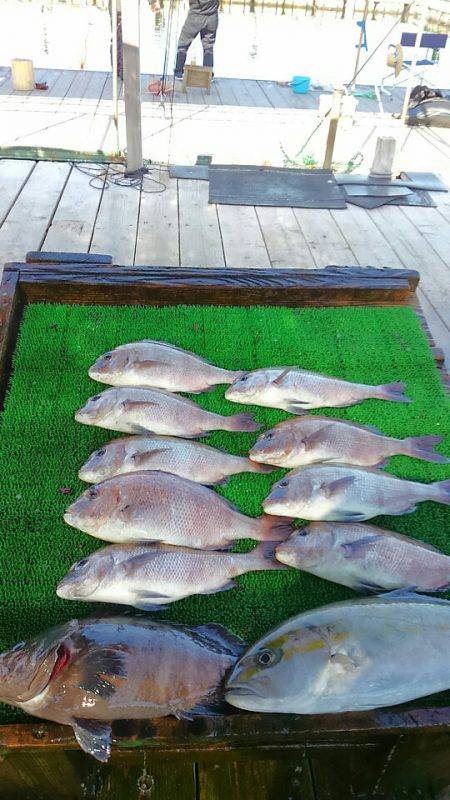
[197, 23]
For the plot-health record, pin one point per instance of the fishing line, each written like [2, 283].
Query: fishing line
[348, 83]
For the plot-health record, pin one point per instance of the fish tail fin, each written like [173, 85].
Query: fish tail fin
[273, 529]
[242, 422]
[423, 447]
[231, 377]
[255, 466]
[392, 391]
[263, 556]
[440, 492]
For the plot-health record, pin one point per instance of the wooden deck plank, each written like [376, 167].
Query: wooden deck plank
[366, 241]
[243, 242]
[116, 224]
[95, 86]
[79, 85]
[26, 224]
[48, 76]
[62, 84]
[6, 83]
[74, 219]
[324, 238]
[242, 94]
[439, 330]
[13, 175]
[284, 239]
[435, 230]
[259, 98]
[157, 236]
[273, 93]
[200, 237]
[226, 92]
[415, 253]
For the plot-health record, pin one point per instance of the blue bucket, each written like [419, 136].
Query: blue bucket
[300, 84]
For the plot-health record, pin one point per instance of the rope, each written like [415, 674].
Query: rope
[102, 176]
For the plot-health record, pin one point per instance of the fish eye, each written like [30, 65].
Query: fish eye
[107, 356]
[97, 397]
[92, 493]
[101, 452]
[268, 436]
[284, 483]
[266, 658]
[244, 378]
[82, 563]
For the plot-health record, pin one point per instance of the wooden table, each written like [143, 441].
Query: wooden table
[389, 754]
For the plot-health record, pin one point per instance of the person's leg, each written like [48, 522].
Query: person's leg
[208, 34]
[189, 31]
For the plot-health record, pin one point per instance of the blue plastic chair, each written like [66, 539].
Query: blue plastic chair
[362, 24]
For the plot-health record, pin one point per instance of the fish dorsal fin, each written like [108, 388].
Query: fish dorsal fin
[94, 737]
[403, 537]
[407, 594]
[221, 638]
[370, 428]
[178, 349]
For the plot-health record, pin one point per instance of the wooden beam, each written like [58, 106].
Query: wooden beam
[132, 83]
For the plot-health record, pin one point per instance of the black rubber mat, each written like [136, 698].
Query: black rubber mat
[426, 181]
[357, 190]
[270, 186]
[414, 199]
[199, 172]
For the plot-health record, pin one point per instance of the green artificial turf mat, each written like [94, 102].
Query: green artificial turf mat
[42, 447]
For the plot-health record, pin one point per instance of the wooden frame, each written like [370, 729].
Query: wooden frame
[75, 278]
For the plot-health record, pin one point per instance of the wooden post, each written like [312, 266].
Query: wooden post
[115, 78]
[22, 74]
[132, 83]
[360, 43]
[415, 57]
[335, 113]
[383, 160]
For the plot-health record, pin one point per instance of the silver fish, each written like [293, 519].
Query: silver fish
[149, 577]
[350, 656]
[89, 672]
[366, 558]
[159, 507]
[314, 439]
[296, 390]
[133, 410]
[159, 365]
[349, 494]
[189, 459]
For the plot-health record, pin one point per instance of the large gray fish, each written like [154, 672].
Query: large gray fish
[133, 410]
[158, 507]
[349, 494]
[89, 672]
[188, 459]
[151, 576]
[297, 390]
[160, 365]
[313, 439]
[366, 558]
[350, 656]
